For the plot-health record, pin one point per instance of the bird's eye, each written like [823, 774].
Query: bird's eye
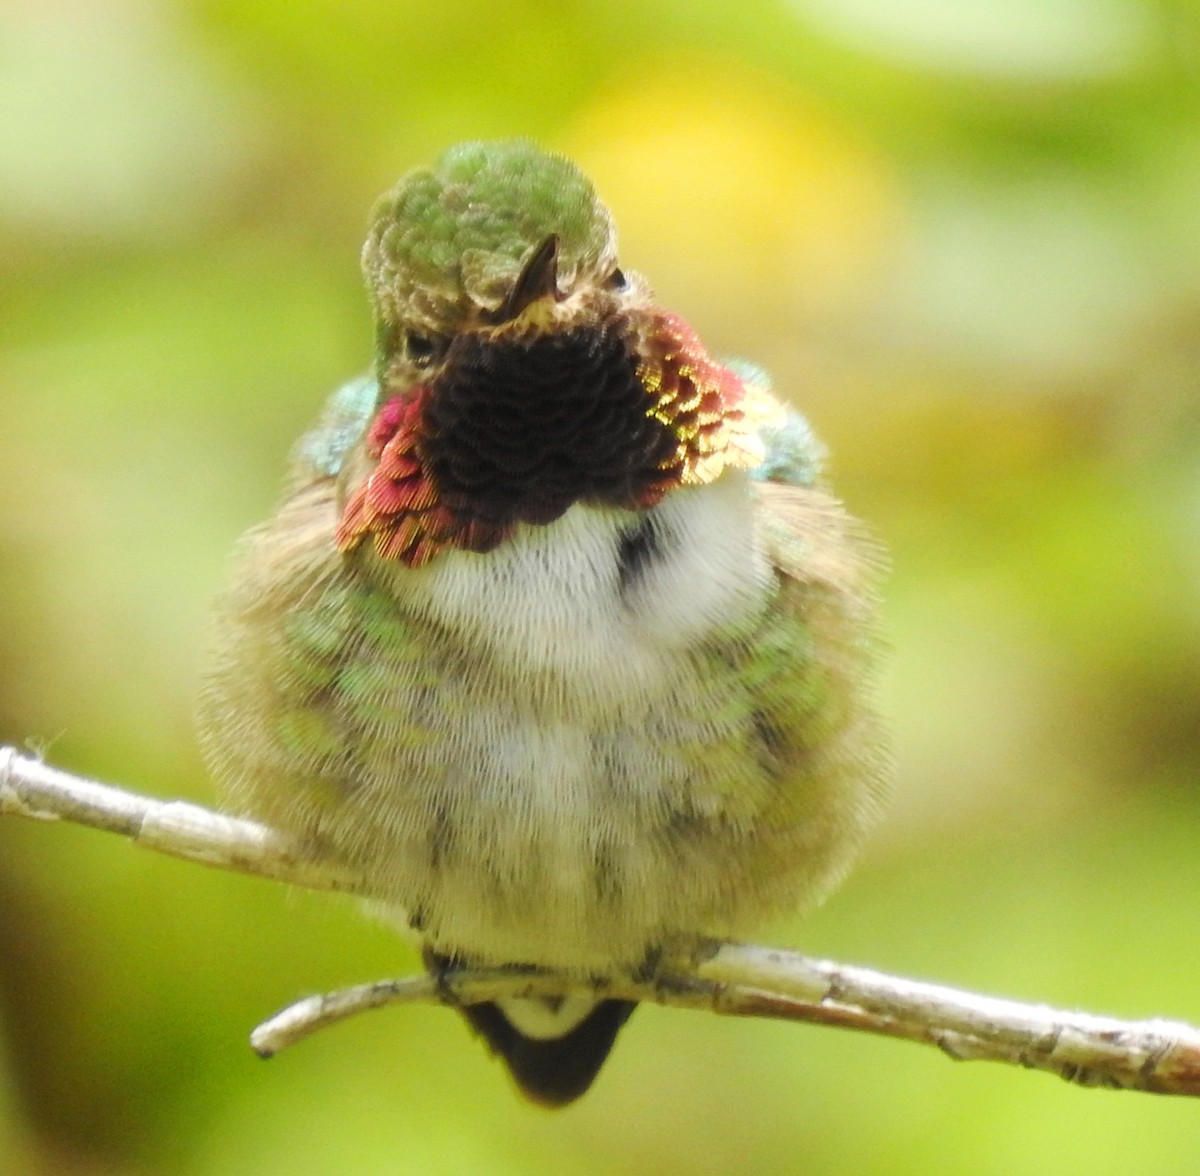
[617, 280]
[422, 349]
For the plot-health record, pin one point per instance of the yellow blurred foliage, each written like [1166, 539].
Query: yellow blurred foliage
[758, 202]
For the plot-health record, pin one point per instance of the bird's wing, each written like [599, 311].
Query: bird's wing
[323, 451]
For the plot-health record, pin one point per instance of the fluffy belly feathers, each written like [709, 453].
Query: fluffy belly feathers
[568, 752]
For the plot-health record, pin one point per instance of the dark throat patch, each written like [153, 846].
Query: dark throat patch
[518, 430]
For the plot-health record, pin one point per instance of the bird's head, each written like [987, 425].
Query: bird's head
[521, 370]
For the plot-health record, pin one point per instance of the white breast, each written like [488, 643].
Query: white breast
[567, 734]
[553, 600]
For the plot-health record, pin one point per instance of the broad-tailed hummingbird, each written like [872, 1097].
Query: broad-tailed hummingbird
[557, 641]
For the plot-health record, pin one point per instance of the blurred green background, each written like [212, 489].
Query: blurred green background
[964, 235]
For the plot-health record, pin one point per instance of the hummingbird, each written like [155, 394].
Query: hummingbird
[557, 640]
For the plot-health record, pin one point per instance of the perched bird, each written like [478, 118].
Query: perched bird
[556, 640]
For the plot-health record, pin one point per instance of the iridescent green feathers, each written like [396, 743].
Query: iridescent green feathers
[323, 450]
[452, 238]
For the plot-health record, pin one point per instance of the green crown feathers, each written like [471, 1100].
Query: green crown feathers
[456, 234]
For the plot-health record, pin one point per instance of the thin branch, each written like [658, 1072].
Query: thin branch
[31, 788]
[734, 979]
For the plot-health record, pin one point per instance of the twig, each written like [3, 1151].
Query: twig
[31, 788]
[1157, 1056]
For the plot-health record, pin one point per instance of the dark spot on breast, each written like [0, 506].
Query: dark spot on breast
[683, 826]
[606, 875]
[773, 742]
[442, 839]
[638, 549]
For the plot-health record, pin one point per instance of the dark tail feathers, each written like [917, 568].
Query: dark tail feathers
[556, 1071]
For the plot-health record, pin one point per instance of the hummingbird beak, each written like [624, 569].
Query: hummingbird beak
[538, 279]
